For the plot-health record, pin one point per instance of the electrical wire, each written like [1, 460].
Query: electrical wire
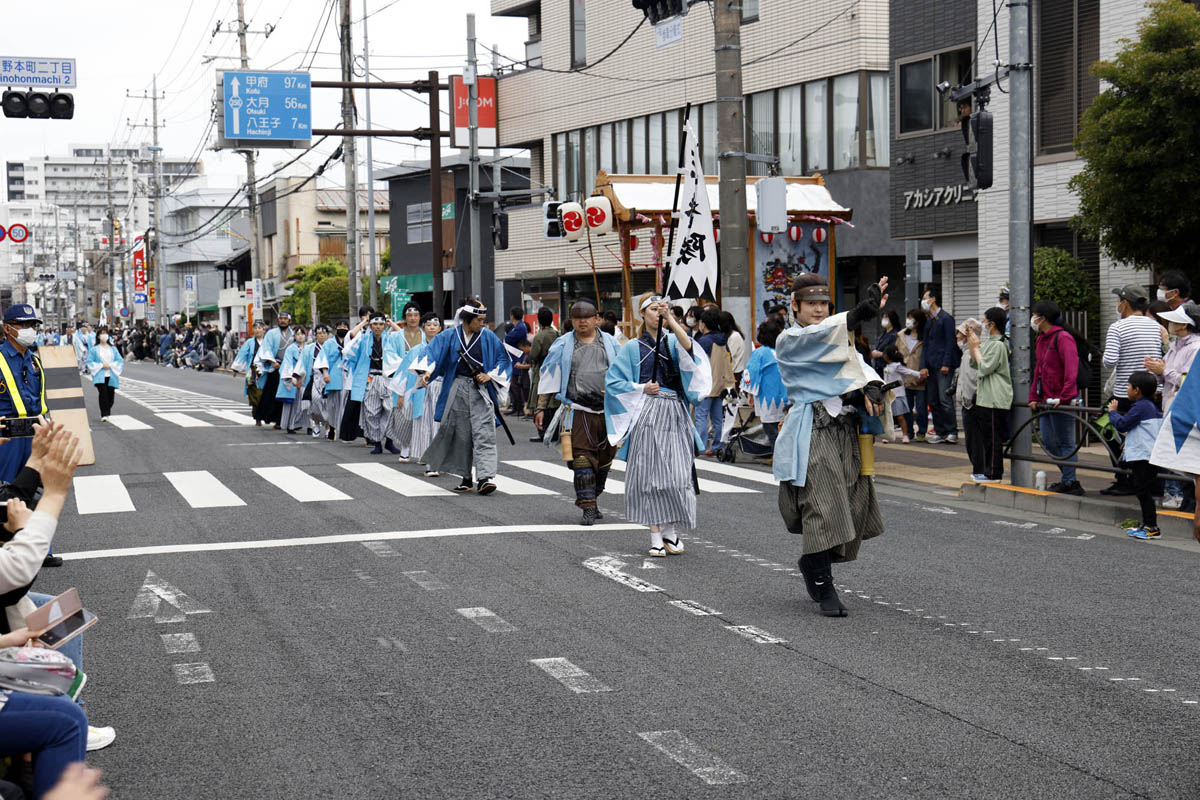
[584, 70]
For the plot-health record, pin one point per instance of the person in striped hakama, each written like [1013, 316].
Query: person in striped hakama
[413, 425]
[649, 391]
[332, 367]
[822, 494]
[293, 375]
[382, 350]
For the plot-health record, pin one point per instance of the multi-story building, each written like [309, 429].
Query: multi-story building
[43, 269]
[817, 97]
[967, 233]
[192, 245]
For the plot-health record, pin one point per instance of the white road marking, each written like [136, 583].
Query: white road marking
[304, 541]
[487, 620]
[426, 581]
[560, 473]
[648, 563]
[695, 608]
[755, 634]
[180, 643]
[391, 644]
[230, 416]
[394, 479]
[569, 675]
[194, 673]
[610, 568]
[701, 763]
[939, 509]
[731, 471]
[101, 494]
[381, 549]
[153, 593]
[705, 484]
[201, 489]
[127, 423]
[300, 485]
[507, 485]
[185, 420]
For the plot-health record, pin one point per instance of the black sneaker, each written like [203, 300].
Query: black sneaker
[52, 560]
[589, 517]
[485, 487]
[1072, 488]
[1057, 486]
[1117, 489]
[463, 487]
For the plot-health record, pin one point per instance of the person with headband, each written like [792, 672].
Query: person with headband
[331, 366]
[355, 364]
[414, 333]
[649, 392]
[314, 384]
[245, 362]
[833, 394]
[376, 354]
[476, 372]
[270, 355]
[403, 412]
[574, 371]
[412, 420]
[292, 377]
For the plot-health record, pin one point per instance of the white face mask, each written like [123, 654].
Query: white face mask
[1035, 323]
[926, 305]
[26, 337]
[885, 323]
[103, 337]
[909, 324]
[1162, 294]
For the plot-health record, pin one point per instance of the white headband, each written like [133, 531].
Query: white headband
[649, 301]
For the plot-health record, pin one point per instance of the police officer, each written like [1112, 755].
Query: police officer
[22, 385]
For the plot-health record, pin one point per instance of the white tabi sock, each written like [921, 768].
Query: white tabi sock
[668, 531]
[656, 539]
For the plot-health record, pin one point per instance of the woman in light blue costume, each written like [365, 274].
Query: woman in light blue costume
[833, 395]
[648, 394]
[374, 355]
[762, 382]
[413, 425]
[292, 377]
[246, 362]
[468, 408]
[83, 340]
[105, 365]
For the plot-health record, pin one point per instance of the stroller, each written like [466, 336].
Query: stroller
[743, 428]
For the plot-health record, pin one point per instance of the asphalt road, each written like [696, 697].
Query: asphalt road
[397, 643]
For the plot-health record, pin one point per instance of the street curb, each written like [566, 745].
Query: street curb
[1173, 524]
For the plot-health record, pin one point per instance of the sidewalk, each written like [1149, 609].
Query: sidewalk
[947, 466]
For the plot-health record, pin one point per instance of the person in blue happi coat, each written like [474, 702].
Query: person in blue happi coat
[330, 369]
[477, 371]
[246, 362]
[270, 356]
[375, 354]
[105, 365]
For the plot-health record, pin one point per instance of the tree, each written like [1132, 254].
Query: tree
[1139, 190]
[305, 280]
[332, 298]
[1061, 277]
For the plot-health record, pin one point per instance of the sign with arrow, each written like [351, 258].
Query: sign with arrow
[270, 109]
[156, 592]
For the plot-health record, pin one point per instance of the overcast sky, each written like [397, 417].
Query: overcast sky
[120, 44]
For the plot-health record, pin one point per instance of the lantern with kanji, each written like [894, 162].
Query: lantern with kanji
[598, 211]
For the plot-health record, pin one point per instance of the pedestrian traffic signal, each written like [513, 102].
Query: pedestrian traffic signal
[658, 10]
[977, 161]
[500, 230]
[38, 105]
[551, 224]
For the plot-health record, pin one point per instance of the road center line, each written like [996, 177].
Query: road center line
[701, 763]
[487, 620]
[569, 675]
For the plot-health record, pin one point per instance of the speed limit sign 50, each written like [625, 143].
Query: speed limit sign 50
[18, 233]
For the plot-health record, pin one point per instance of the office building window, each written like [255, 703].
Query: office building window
[878, 144]
[419, 218]
[578, 34]
[708, 137]
[749, 10]
[845, 121]
[573, 148]
[655, 139]
[560, 165]
[916, 96]
[1068, 44]
[606, 147]
[639, 145]
[590, 160]
[954, 68]
[921, 107]
[622, 142]
[674, 129]
[760, 126]
[816, 127]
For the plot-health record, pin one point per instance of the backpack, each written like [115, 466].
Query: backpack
[1083, 376]
[36, 670]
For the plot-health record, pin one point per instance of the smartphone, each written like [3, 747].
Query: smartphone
[17, 427]
[68, 628]
[60, 620]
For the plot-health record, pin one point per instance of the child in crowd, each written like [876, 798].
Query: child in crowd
[894, 371]
[1140, 425]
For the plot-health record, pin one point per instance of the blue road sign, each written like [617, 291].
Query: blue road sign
[268, 105]
[139, 298]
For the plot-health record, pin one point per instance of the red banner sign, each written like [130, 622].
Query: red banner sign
[460, 135]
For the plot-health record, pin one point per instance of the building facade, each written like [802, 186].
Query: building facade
[185, 210]
[817, 97]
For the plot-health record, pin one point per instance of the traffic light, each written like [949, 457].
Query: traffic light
[116, 229]
[499, 229]
[658, 10]
[38, 105]
[977, 161]
[551, 224]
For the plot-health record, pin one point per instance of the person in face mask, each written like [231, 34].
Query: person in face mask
[22, 383]
[889, 328]
[1174, 289]
[105, 365]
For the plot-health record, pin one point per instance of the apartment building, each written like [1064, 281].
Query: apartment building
[192, 245]
[817, 97]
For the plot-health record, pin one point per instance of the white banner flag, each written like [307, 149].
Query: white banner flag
[694, 257]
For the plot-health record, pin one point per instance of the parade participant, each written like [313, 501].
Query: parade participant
[314, 388]
[822, 494]
[381, 350]
[761, 379]
[404, 381]
[538, 351]
[292, 377]
[649, 391]
[23, 392]
[356, 366]
[83, 339]
[574, 371]
[105, 365]
[416, 403]
[413, 333]
[270, 355]
[477, 369]
[246, 362]
[330, 363]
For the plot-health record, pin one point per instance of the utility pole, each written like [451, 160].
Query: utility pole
[1020, 221]
[350, 158]
[112, 242]
[435, 189]
[81, 272]
[471, 79]
[370, 174]
[731, 149]
[251, 178]
[160, 304]
[497, 181]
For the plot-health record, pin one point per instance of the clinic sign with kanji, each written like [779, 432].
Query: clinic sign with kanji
[51, 73]
[267, 107]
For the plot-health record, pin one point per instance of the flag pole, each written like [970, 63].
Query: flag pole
[687, 115]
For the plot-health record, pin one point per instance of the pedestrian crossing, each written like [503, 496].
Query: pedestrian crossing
[126, 422]
[202, 489]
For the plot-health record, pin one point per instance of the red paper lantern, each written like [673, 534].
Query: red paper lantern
[633, 243]
[795, 233]
[819, 235]
[767, 238]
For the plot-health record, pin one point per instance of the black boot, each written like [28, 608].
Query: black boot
[589, 516]
[378, 451]
[817, 569]
[391, 448]
[807, 568]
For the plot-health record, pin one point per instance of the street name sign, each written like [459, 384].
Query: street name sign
[265, 109]
[41, 72]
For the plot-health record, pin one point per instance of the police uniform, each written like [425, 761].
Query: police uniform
[22, 392]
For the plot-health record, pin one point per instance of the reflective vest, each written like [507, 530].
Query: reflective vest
[14, 391]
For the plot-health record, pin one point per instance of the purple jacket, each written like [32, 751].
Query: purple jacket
[1057, 367]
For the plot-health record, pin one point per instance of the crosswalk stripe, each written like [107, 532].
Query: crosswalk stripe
[300, 485]
[201, 489]
[559, 472]
[731, 471]
[231, 416]
[101, 494]
[507, 485]
[185, 420]
[706, 485]
[127, 423]
[394, 479]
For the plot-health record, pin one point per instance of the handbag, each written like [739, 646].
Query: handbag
[39, 670]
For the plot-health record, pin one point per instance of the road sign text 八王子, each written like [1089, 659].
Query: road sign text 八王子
[267, 105]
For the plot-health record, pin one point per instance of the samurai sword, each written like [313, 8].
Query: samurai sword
[477, 371]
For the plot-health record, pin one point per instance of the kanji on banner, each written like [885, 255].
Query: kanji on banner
[693, 259]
